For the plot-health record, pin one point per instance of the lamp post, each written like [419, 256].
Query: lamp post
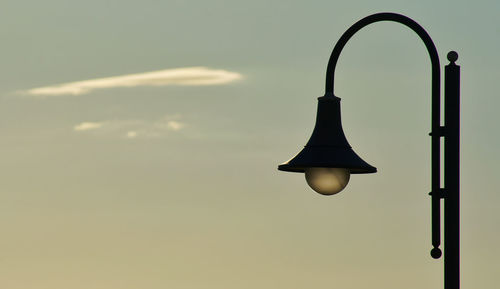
[328, 160]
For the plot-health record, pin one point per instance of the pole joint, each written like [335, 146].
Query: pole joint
[440, 193]
[440, 131]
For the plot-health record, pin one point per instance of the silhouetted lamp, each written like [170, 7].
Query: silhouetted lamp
[328, 160]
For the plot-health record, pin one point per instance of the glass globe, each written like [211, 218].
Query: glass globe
[327, 181]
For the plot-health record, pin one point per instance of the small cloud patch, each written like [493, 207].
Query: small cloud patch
[133, 129]
[87, 126]
[131, 134]
[175, 125]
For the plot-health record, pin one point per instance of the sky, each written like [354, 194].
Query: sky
[140, 142]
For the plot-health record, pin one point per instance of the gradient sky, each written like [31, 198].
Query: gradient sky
[160, 172]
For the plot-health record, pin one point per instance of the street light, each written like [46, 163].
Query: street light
[328, 160]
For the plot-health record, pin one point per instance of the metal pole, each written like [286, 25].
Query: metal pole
[452, 174]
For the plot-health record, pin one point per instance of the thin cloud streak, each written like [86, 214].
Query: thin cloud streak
[132, 129]
[87, 126]
[188, 76]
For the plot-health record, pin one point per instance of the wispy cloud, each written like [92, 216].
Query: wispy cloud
[132, 129]
[178, 76]
[131, 134]
[175, 125]
[87, 126]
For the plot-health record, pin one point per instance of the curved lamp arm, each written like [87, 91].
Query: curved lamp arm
[437, 130]
[431, 48]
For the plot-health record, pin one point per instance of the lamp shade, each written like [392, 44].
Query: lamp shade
[328, 146]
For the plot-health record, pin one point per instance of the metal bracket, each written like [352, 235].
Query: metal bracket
[441, 193]
[441, 131]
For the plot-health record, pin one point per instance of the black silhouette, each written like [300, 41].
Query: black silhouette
[328, 147]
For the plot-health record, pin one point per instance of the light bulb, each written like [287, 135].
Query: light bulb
[327, 181]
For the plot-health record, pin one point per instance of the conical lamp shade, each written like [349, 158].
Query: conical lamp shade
[328, 146]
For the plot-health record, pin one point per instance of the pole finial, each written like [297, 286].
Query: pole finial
[452, 56]
[436, 253]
